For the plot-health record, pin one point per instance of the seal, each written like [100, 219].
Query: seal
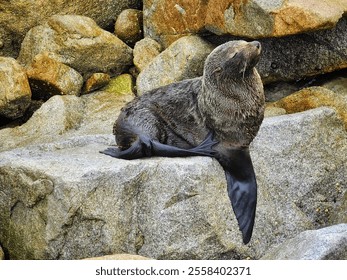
[216, 115]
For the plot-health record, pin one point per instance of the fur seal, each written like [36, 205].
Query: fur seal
[216, 115]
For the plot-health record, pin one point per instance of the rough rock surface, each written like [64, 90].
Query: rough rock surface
[184, 59]
[167, 208]
[166, 21]
[313, 97]
[64, 116]
[328, 243]
[145, 51]
[294, 57]
[78, 42]
[340, 215]
[15, 93]
[338, 85]
[18, 17]
[128, 26]
[121, 85]
[298, 162]
[2, 255]
[119, 257]
[258, 18]
[48, 77]
[95, 82]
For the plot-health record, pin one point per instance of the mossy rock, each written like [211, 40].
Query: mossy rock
[121, 85]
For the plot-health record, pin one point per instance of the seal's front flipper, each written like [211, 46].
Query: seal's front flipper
[242, 189]
[205, 148]
[113, 152]
[137, 150]
[145, 147]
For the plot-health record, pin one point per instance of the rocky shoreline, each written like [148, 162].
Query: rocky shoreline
[64, 79]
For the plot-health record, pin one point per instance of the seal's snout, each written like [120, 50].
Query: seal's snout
[256, 44]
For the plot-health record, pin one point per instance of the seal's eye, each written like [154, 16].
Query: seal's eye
[235, 54]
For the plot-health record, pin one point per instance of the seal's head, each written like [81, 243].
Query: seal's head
[232, 60]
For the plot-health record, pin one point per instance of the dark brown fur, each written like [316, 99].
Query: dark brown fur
[228, 99]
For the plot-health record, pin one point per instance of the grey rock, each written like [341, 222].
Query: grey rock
[17, 18]
[78, 42]
[338, 85]
[300, 164]
[15, 93]
[328, 243]
[294, 57]
[184, 59]
[2, 255]
[119, 257]
[145, 51]
[78, 203]
[60, 184]
[66, 116]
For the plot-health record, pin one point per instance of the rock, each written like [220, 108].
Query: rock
[79, 43]
[258, 18]
[121, 85]
[2, 255]
[300, 165]
[15, 94]
[73, 177]
[166, 21]
[314, 97]
[78, 203]
[66, 116]
[271, 111]
[279, 90]
[145, 51]
[324, 244]
[294, 57]
[339, 215]
[119, 257]
[337, 85]
[96, 81]
[48, 77]
[129, 25]
[17, 18]
[184, 59]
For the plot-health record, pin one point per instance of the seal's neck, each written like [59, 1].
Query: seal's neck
[229, 109]
[234, 94]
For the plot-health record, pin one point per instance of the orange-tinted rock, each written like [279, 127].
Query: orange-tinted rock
[96, 81]
[48, 77]
[15, 93]
[169, 20]
[314, 97]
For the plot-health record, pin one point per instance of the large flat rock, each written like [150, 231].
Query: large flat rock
[65, 200]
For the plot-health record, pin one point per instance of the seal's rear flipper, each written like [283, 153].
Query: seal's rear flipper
[242, 189]
[145, 147]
